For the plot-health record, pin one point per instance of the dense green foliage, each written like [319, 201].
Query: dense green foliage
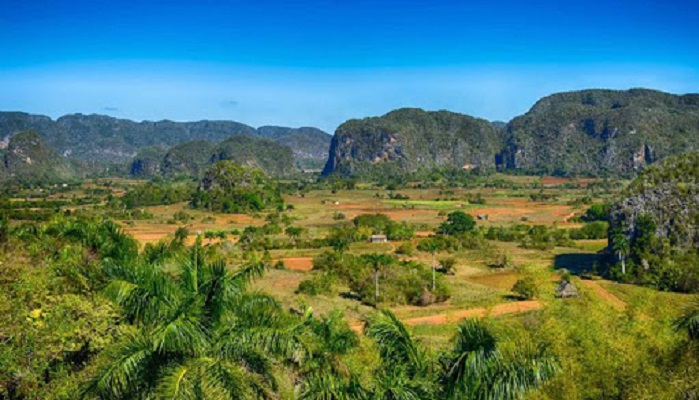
[272, 158]
[103, 139]
[458, 222]
[408, 140]
[28, 159]
[188, 159]
[600, 132]
[157, 193]
[230, 188]
[399, 282]
[654, 230]
[382, 224]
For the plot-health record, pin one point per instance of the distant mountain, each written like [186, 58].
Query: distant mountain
[594, 132]
[28, 159]
[271, 157]
[193, 158]
[99, 138]
[410, 139]
[310, 145]
[190, 158]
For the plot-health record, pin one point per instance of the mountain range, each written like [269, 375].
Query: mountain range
[589, 133]
[99, 138]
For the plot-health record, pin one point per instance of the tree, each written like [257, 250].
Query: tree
[620, 245]
[201, 335]
[340, 240]
[378, 260]
[475, 368]
[457, 222]
[181, 234]
[431, 245]
[294, 232]
[689, 322]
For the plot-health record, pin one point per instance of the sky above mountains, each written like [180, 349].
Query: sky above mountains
[319, 63]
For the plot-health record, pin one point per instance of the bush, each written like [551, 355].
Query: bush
[319, 284]
[526, 288]
[447, 266]
[406, 249]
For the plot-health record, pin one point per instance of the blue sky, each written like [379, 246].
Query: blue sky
[318, 63]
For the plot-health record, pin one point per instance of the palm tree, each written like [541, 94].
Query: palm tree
[431, 246]
[621, 248]
[404, 371]
[199, 335]
[326, 376]
[378, 260]
[689, 322]
[474, 369]
[477, 369]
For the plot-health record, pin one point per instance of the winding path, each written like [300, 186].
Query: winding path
[478, 312]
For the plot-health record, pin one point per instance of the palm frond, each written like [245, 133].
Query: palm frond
[689, 321]
[325, 386]
[144, 292]
[124, 374]
[473, 335]
[178, 383]
[394, 341]
[182, 332]
[252, 270]
[221, 379]
[516, 374]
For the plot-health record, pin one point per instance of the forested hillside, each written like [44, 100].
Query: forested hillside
[600, 132]
[104, 139]
[407, 140]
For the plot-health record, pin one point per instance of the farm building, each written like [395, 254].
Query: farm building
[566, 289]
[378, 239]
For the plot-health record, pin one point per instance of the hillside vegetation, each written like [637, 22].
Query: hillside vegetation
[654, 230]
[410, 139]
[104, 139]
[600, 132]
[27, 159]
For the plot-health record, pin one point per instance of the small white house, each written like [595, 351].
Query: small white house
[378, 239]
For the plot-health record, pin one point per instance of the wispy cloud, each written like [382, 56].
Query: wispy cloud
[110, 109]
[229, 104]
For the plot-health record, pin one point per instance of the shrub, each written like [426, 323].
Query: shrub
[526, 288]
[319, 284]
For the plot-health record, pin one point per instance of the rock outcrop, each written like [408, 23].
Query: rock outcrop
[408, 140]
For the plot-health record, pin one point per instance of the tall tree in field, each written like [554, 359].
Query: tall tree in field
[431, 245]
[377, 261]
[621, 248]
[340, 240]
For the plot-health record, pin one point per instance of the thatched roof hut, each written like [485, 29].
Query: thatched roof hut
[566, 289]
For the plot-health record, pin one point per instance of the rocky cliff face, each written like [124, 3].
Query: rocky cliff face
[596, 132]
[28, 159]
[408, 140]
[668, 193]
